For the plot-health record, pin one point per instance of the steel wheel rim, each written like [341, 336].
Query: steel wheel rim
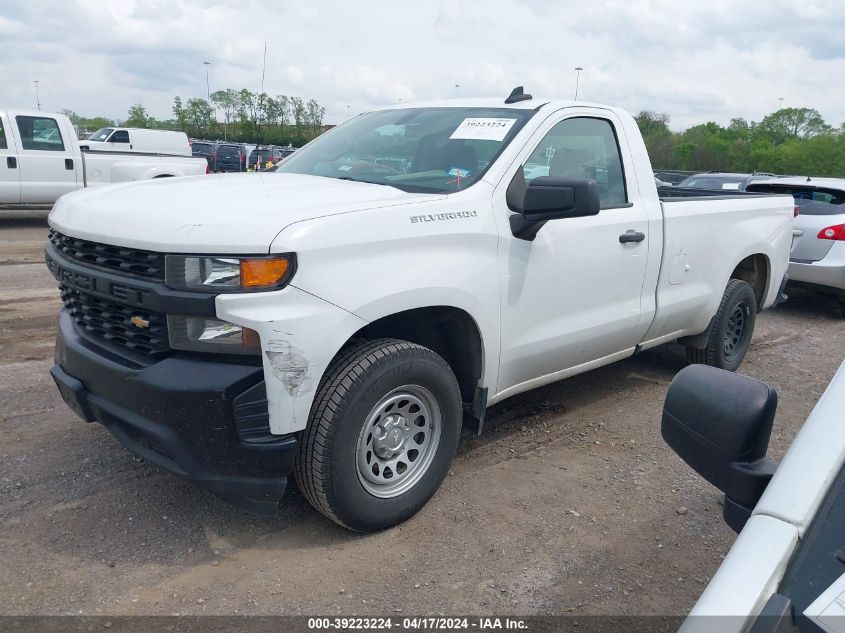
[398, 441]
[737, 330]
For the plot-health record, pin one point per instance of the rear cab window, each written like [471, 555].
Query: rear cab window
[40, 133]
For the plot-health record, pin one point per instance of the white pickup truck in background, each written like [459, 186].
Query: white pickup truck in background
[40, 160]
[340, 317]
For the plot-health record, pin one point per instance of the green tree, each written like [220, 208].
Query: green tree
[228, 102]
[138, 117]
[790, 123]
[199, 115]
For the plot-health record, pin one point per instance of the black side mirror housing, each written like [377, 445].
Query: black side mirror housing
[548, 198]
[720, 424]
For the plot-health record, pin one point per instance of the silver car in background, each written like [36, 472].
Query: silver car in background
[817, 260]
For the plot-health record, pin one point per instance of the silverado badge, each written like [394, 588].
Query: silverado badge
[140, 322]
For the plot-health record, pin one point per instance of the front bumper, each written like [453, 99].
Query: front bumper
[205, 420]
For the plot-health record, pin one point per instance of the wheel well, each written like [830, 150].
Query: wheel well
[755, 270]
[447, 331]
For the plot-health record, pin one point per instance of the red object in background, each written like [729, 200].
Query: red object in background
[835, 232]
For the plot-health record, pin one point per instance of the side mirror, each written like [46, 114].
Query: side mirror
[548, 198]
[720, 423]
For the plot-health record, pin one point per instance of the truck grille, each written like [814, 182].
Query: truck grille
[112, 322]
[145, 264]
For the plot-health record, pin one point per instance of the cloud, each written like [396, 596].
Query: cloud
[695, 61]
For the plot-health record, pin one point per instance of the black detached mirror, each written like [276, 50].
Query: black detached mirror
[548, 198]
[720, 423]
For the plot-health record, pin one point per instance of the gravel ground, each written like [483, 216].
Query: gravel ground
[570, 503]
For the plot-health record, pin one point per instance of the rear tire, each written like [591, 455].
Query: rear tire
[383, 431]
[731, 329]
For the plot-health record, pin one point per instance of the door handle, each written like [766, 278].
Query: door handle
[631, 236]
[69, 164]
[11, 162]
[797, 233]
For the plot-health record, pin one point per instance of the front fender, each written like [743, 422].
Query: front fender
[300, 334]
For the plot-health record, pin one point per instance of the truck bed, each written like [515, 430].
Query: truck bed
[673, 194]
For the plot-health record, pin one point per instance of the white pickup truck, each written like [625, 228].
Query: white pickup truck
[40, 160]
[341, 317]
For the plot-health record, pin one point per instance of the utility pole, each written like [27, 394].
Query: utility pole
[207, 85]
[37, 99]
[578, 70]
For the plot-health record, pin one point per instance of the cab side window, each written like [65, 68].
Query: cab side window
[582, 148]
[3, 144]
[41, 133]
[120, 136]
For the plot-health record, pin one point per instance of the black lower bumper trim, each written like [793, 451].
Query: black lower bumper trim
[177, 414]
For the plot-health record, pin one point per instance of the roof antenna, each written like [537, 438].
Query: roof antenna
[808, 179]
[517, 95]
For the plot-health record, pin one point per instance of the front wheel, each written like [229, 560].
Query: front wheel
[383, 432]
[731, 329]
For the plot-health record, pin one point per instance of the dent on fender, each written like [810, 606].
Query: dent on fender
[289, 365]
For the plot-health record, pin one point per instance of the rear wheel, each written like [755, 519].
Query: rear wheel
[731, 329]
[383, 432]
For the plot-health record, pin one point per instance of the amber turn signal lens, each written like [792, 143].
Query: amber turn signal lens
[261, 273]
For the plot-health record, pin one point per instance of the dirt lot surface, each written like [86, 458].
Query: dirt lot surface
[569, 503]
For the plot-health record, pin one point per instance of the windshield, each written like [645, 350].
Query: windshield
[438, 150]
[101, 135]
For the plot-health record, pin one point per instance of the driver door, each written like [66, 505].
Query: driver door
[571, 298]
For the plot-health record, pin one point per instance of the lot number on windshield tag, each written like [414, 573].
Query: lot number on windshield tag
[483, 129]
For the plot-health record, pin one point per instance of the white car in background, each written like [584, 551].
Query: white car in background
[786, 571]
[141, 140]
[817, 260]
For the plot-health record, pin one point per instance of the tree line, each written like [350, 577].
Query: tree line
[235, 115]
[794, 141]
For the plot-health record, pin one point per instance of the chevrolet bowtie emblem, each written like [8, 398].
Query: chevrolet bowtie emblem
[139, 322]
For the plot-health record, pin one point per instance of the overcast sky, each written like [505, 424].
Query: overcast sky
[711, 61]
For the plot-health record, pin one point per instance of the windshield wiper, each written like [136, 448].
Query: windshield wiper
[369, 182]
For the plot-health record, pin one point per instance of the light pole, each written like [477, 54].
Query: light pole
[457, 88]
[578, 70]
[207, 85]
[347, 113]
[780, 103]
[37, 99]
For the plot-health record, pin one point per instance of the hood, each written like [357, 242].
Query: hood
[220, 214]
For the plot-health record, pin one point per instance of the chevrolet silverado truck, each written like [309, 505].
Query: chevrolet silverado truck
[341, 317]
[40, 160]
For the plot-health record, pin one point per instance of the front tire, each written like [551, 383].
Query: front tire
[383, 431]
[731, 329]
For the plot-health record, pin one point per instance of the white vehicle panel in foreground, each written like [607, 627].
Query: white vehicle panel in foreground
[755, 565]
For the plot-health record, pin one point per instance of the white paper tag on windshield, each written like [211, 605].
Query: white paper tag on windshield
[730, 185]
[483, 129]
[828, 610]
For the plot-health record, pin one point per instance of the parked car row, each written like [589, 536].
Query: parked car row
[230, 156]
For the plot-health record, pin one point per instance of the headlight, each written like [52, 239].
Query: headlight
[228, 274]
[202, 334]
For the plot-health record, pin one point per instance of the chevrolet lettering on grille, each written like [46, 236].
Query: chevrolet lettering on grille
[90, 283]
